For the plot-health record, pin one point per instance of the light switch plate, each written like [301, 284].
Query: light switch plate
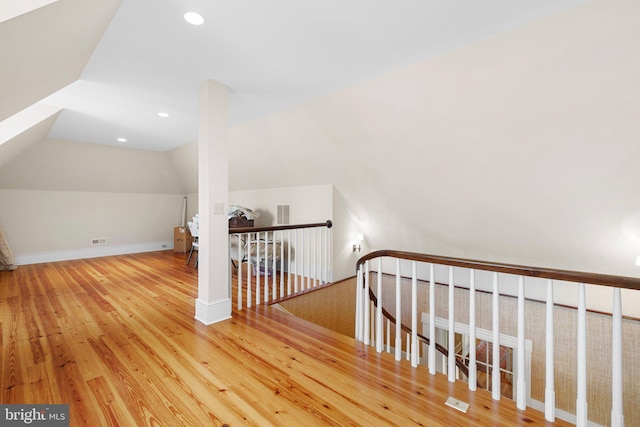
[218, 208]
[457, 404]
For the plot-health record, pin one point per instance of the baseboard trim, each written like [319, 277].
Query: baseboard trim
[40, 257]
[213, 312]
[560, 414]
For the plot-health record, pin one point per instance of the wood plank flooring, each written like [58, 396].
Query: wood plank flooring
[116, 339]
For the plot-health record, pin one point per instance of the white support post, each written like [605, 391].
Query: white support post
[473, 369]
[451, 357]
[617, 415]
[581, 356]
[432, 320]
[495, 377]
[414, 314]
[550, 392]
[398, 344]
[214, 301]
[521, 394]
[379, 341]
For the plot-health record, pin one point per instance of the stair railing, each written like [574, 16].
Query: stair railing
[370, 327]
[276, 262]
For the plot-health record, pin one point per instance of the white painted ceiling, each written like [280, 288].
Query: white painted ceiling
[272, 55]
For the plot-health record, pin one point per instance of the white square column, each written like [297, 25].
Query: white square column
[214, 294]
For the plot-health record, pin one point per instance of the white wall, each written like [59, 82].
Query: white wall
[308, 204]
[521, 148]
[59, 165]
[55, 225]
[57, 196]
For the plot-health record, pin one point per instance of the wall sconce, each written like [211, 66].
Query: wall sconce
[357, 242]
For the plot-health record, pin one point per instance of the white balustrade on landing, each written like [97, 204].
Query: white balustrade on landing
[266, 271]
[473, 381]
[376, 326]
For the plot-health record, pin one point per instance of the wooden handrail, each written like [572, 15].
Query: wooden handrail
[544, 273]
[240, 230]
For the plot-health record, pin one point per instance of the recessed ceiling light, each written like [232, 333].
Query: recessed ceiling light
[194, 18]
[163, 114]
[122, 140]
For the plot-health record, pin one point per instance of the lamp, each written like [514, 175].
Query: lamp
[357, 242]
[638, 261]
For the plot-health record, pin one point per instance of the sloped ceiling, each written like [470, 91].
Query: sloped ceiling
[520, 148]
[22, 130]
[272, 54]
[47, 48]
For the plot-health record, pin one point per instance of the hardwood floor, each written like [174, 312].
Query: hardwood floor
[116, 339]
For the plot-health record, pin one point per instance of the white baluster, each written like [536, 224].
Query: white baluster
[495, 389]
[398, 345]
[272, 265]
[289, 262]
[307, 263]
[298, 261]
[379, 308]
[358, 332]
[581, 393]
[266, 267]
[303, 284]
[239, 272]
[521, 394]
[247, 248]
[414, 314]
[321, 267]
[315, 256]
[388, 337]
[451, 357]
[274, 283]
[257, 243]
[281, 263]
[617, 416]
[432, 320]
[473, 378]
[367, 320]
[327, 257]
[550, 392]
[408, 351]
